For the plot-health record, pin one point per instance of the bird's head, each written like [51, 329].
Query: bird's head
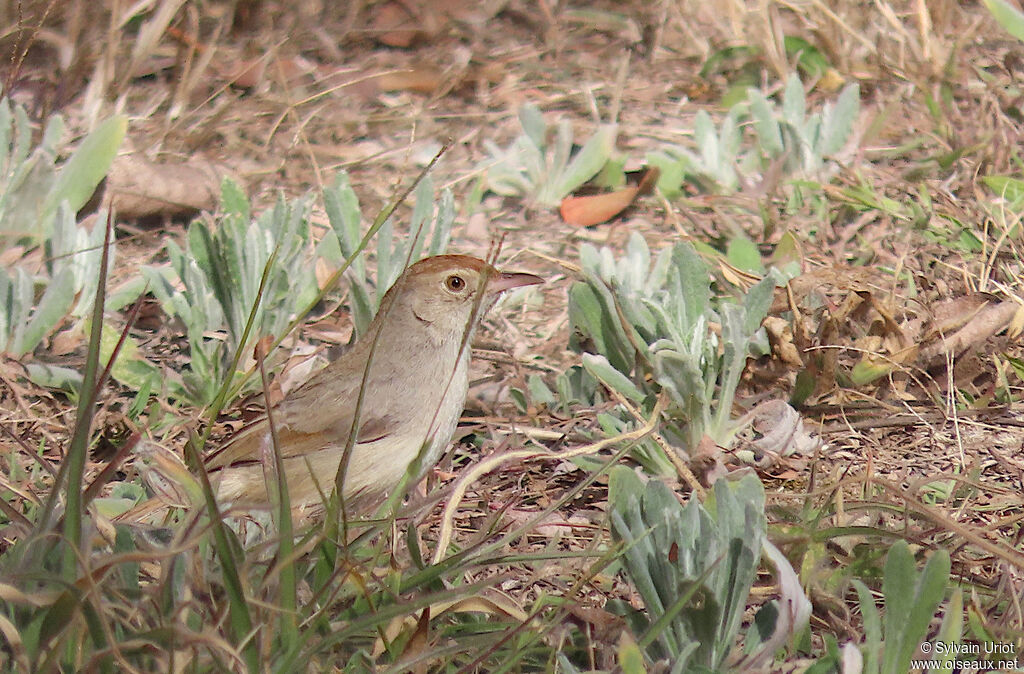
[446, 292]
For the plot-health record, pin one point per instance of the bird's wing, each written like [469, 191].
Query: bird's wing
[305, 422]
[247, 444]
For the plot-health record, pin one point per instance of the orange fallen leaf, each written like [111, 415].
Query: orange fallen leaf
[593, 210]
[598, 208]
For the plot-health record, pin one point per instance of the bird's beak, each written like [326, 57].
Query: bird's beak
[508, 280]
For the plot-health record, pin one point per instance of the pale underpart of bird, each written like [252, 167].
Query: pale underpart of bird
[415, 389]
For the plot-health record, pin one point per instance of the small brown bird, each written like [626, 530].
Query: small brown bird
[415, 388]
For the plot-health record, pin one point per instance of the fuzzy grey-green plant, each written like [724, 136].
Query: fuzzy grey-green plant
[38, 199]
[911, 599]
[693, 566]
[32, 183]
[721, 158]
[24, 322]
[540, 163]
[803, 141]
[431, 220]
[221, 273]
[717, 161]
[634, 318]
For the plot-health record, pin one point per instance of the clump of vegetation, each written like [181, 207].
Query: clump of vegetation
[39, 196]
[652, 324]
[247, 276]
[540, 165]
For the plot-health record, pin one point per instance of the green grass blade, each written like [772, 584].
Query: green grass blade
[1008, 17]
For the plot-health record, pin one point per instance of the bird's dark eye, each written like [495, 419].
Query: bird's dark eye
[455, 283]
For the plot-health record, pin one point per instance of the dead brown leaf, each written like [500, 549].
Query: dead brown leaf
[138, 188]
[780, 432]
[780, 336]
[984, 322]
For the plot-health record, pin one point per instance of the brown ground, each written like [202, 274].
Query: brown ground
[331, 94]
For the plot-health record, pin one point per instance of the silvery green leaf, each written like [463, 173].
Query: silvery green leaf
[609, 269]
[659, 273]
[690, 281]
[739, 511]
[1008, 16]
[794, 102]
[7, 308]
[130, 368]
[362, 308]
[55, 377]
[639, 257]
[717, 552]
[729, 136]
[680, 373]
[559, 152]
[198, 246]
[587, 162]
[910, 602]
[528, 161]
[422, 211]
[756, 305]
[126, 293]
[342, 207]
[52, 307]
[6, 151]
[640, 316]
[78, 177]
[599, 367]
[507, 183]
[52, 135]
[671, 173]
[62, 242]
[703, 130]
[19, 308]
[590, 318]
[562, 384]
[443, 223]
[586, 315]
[159, 279]
[22, 136]
[81, 251]
[767, 127]
[532, 121]
[707, 141]
[518, 399]
[810, 146]
[743, 254]
[734, 360]
[539, 391]
[21, 203]
[329, 249]
[590, 259]
[233, 200]
[838, 120]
